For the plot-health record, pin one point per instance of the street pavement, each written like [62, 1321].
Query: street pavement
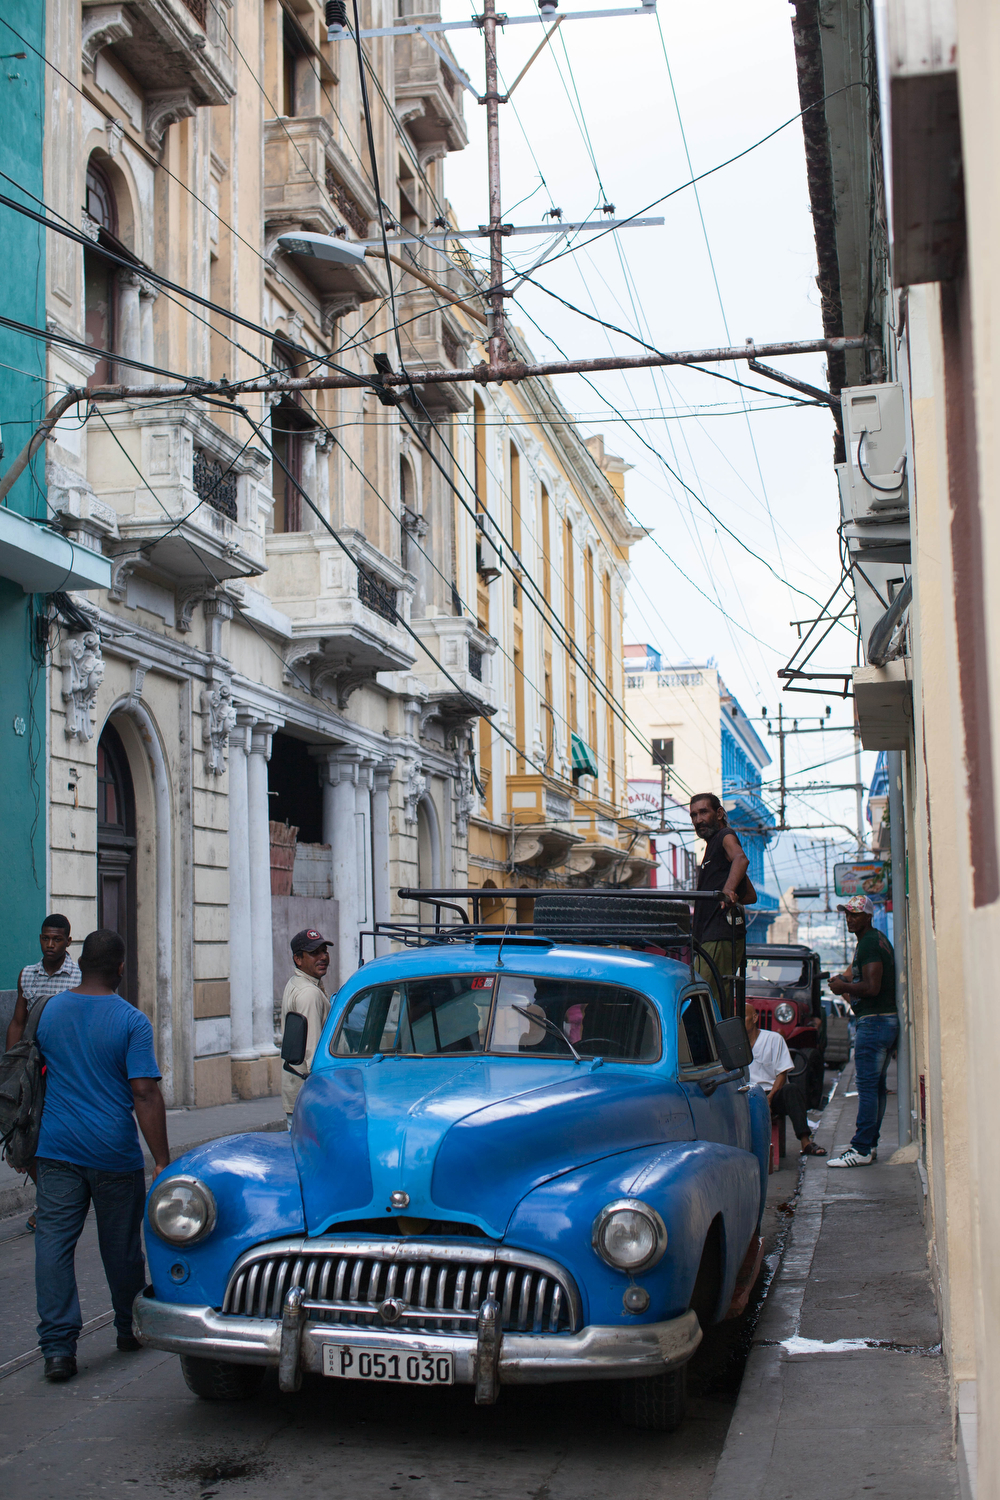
[845, 1392]
[128, 1425]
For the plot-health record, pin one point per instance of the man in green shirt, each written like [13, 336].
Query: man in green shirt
[870, 985]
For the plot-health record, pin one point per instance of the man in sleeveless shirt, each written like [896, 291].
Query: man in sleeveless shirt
[719, 927]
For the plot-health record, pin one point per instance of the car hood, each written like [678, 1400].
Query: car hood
[466, 1140]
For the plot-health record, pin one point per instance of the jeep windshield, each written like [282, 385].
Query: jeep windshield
[781, 971]
[463, 1013]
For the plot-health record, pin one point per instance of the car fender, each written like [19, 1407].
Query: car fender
[256, 1189]
[689, 1183]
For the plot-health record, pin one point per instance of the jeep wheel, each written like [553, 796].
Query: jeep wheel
[655, 1404]
[217, 1380]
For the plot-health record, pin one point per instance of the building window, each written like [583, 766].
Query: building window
[98, 275]
[476, 663]
[288, 423]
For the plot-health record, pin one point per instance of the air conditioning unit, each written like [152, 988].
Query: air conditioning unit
[878, 537]
[875, 438]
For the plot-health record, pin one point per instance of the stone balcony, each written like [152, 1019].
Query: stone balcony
[345, 611]
[309, 183]
[428, 95]
[176, 51]
[433, 339]
[542, 811]
[187, 502]
[466, 653]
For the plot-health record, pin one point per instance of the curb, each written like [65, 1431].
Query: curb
[745, 1460]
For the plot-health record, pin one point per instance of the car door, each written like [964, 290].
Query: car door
[717, 1099]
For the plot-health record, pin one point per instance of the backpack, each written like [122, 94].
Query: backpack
[22, 1094]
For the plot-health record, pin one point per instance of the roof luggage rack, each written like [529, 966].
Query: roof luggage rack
[657, 920]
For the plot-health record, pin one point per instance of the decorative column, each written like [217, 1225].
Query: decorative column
[339, 772]
[127, 338]
[307, 449]
[147, 296]
[380, 847]
[240, 925]
[261, 950]
[324, 447]
[363, 806]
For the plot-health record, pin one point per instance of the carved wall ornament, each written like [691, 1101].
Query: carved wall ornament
[414, 787]
[165, 109]
[83, 673]
[219, 722]
[103, 25]
[115, 132]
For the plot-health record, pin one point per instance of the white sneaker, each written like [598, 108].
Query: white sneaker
[852, 1158]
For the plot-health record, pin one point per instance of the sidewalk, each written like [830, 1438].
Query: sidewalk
[845, 1391]
[185, 1128]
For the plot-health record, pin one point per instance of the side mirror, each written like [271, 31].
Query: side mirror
[293, 1041]
[733, 1044]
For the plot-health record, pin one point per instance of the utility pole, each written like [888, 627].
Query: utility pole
[781, 759]
[782, 733]
[498, 352]
[859, 794]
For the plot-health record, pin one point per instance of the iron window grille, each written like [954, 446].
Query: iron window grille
[475, 663]
[214, 484]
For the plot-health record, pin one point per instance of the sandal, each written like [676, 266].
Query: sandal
[31, 1224]
[811, 1149]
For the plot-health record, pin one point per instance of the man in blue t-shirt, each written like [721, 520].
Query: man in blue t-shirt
[100, 1077]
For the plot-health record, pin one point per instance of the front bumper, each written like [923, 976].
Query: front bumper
[486, 1359]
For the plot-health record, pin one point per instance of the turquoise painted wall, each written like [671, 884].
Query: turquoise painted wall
[23, 744]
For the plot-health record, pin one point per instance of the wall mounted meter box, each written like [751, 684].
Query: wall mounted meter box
[875, 433]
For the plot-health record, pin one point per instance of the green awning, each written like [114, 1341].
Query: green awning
[584, 758]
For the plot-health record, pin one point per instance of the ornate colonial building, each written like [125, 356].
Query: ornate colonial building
[278, 716]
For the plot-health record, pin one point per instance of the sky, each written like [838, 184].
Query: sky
[736, 487]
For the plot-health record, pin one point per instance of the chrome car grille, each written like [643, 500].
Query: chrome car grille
[436, 1286]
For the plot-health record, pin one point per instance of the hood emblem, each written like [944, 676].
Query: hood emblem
[391, 1310]
[400, 1200]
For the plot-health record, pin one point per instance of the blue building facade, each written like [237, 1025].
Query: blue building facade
[743, 760]
[22, 391]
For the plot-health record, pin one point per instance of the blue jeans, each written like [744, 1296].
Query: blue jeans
[876, 1037]
[65, 1193]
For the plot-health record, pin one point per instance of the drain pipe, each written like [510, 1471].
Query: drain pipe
[897, 847]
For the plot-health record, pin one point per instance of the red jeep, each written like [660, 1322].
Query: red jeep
[783, 985]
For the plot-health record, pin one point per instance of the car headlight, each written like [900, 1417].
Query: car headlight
[182, 1210]
[629, 1235]
[784, 1013]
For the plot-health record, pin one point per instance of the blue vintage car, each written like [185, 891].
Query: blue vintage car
[516, 1160]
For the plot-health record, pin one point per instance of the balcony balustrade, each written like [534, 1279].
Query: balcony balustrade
[347, 612]
[187, 501]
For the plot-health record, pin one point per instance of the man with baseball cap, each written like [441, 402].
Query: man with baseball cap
[304, 994]
[870, 985]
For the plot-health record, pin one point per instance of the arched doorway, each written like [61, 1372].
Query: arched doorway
[116, 873]
[428, 846]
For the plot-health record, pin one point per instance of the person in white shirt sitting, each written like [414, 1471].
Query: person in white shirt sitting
[771, 1065]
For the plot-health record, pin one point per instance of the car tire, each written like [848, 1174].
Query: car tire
[643, 919]
[217, 1380]
[654, 1404]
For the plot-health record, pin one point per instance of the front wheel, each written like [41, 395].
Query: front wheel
[655, 1403]
[217, 1380]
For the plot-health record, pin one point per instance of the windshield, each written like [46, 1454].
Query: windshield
[777, 971]
[456, 1013]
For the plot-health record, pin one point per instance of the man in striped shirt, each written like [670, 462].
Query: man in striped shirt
[56, 972]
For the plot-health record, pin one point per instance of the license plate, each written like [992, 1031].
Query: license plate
[358, 1362]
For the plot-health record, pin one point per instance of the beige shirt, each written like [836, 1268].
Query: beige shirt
[305, 995]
